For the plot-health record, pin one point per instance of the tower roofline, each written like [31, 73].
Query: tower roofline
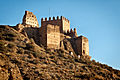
[55, 18]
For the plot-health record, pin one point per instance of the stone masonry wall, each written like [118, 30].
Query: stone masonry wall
[50, 36]
[53, 36]
[66, 25]
[63, 23]
[82, 45]
[33, 32]
[85, 46]
[43, 35]
[30, 19]
[78, 45]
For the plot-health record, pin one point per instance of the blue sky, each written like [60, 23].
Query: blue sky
[98, 20]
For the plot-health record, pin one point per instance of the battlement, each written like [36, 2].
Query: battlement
[55, 19]
[72, 33]
[62, 22]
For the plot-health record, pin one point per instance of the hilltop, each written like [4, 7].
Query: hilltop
[21, 58]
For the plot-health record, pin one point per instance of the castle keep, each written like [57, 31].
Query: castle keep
[54, 33]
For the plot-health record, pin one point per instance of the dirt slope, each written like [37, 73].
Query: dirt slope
[22, 59]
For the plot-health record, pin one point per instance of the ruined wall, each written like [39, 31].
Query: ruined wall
[63, 23]
[82, 45]
[30, 19]
[43, 35]
[33, 32]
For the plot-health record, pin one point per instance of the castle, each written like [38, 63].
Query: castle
[54, 33]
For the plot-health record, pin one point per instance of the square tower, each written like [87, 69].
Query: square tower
[63, 23]
[82, 45]
[50, 36]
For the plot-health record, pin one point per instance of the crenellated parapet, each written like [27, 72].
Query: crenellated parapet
[55, 19]
[49, 19]
[65, 19]
[72, 33]
[62, 22]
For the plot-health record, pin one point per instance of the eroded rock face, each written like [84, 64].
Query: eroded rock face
[67, 45]
[15, 73]
[4, 75]
[8, 70]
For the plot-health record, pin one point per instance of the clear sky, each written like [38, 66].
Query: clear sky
[98, 20]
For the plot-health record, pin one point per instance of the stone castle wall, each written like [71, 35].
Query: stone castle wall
[62, 22]
[54, 34]
[30, 19]
[72, 33]
[33, 32]
[50, 37]
[43, 35]
[85, 46]
[65, 25]
[82, 45]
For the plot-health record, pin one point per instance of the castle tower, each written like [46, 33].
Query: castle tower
[62, 22]
[82, 45]
[30, 19]
[50, 36]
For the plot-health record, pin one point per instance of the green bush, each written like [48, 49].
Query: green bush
[7, 36]
[29, 46]
[60, 52]
[3, 48]
[20, 51]
[10, 34]
[39, 55]
[52, 57]
[48, 51]
[11, 45]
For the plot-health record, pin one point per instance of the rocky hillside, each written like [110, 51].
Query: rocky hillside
[22, 59]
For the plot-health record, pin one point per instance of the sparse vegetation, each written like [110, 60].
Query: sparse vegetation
[30, 62]
[7, 34]
[3, 48]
